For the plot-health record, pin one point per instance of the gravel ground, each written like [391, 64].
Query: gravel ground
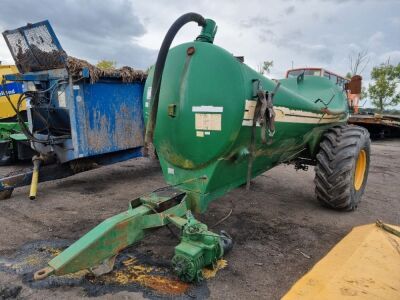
[271, 225]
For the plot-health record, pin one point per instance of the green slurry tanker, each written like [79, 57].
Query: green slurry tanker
[216, 123]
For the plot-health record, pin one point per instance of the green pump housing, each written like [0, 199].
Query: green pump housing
[198, 248]
[204, 124]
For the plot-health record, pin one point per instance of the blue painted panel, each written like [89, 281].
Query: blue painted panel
[11, 88]
[108, 117]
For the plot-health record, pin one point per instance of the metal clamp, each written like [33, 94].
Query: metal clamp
[265, 115]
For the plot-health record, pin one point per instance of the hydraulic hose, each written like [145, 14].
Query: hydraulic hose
[159, 68]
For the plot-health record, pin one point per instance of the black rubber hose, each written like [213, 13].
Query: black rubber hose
[159, 67]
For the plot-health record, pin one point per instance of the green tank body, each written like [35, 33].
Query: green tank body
[205, 118]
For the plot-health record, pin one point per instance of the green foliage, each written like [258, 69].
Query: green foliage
[106, 64]
[384, 90]
[265, 66]
[364, 93]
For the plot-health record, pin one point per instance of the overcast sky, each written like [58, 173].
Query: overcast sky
[317, 33]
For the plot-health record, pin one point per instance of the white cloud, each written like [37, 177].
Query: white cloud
[392, 56]
[376, 40]
[395, 21]
[354, 48]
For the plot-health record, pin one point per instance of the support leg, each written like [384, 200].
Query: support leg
[49, 172]
[37, 160]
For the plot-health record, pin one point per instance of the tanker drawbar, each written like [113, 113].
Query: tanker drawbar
[216, 124]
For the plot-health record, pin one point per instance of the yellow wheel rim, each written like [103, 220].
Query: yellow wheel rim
[359, 172]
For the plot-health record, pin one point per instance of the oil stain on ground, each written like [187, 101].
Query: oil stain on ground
[133, 271]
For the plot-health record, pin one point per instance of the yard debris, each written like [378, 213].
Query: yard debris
[127, 74]
[223, 219]
[210, 273]
[133, 272]
[305, 255]
[387, 228]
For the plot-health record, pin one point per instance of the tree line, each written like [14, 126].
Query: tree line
[384, 91]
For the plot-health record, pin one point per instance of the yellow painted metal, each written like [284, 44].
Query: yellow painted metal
[8, 69]
[364, 265]
[359, 173]
[35, 177]
[6, 110]
[34, 184]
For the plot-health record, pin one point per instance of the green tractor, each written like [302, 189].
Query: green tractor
[216, 124]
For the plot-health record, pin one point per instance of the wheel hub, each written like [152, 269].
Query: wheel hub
[359, 173]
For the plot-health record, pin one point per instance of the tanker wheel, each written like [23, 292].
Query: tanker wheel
[342, 167]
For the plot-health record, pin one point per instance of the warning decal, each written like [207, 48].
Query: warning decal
[208, 122]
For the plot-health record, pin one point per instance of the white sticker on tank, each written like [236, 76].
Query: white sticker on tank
[200, 133]
[75, 87]
[146, 104]
[205, 108]
[171, 171]
[249, 109]
[149, 93]
[249, 123]
[208, 122]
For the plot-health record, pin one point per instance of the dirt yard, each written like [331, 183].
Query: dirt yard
[271, 225]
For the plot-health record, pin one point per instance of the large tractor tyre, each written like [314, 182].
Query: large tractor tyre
[342, 167]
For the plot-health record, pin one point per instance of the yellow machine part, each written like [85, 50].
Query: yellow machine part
[6, 110]
[364, 265]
